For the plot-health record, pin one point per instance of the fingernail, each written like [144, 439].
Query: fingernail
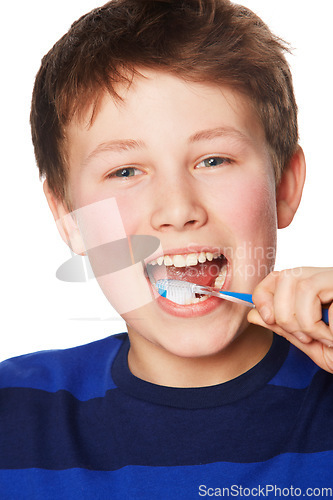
[265, 313]
[302, 337]
[327, 343]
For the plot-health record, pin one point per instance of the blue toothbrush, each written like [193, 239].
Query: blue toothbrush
[183, 291]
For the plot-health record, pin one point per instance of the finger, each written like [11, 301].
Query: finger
[274, 300]
[263, 297]
[308, 306]
[284, 301]
[295, 338]
[320, 354]
[308, 310]
[323, 282]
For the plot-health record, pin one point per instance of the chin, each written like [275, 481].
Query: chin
[188, 337]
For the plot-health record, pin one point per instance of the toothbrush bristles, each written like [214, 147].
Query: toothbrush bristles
[181, 292]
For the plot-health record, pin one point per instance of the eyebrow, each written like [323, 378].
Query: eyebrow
[210, 134]
[116, 145]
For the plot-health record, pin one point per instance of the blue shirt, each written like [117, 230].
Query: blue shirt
[76, 424]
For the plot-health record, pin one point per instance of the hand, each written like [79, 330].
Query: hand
[289, 303]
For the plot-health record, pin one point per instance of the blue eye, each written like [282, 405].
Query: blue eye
[213, 161]
[124, 173]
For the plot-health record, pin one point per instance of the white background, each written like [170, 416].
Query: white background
[40, 312]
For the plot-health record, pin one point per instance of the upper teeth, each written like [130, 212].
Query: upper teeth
[183, 260]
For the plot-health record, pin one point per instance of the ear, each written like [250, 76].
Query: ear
[290, 188]
[65, 220]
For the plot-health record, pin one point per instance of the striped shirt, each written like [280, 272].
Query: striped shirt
[76, 424]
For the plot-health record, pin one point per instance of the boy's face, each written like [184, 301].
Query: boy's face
[189, 164]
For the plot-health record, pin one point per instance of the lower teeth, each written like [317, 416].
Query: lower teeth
[199, 299]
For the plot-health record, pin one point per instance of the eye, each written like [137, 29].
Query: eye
[213, 161]
[124, 173]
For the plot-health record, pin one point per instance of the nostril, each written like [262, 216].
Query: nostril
[191, 223]
[188, 225]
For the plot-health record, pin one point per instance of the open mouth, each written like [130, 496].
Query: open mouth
[203, 268]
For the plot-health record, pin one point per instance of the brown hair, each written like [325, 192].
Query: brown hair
[211, 41]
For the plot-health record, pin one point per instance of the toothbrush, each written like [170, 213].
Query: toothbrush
[183, 291]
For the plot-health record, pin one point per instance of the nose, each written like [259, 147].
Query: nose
[177, 207]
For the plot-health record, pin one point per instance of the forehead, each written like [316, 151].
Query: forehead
[157, 105]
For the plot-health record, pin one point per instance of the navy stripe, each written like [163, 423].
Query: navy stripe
[57, 431]
[205, 397]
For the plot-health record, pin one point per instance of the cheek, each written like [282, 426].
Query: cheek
[104, 217]
[134, 213]
[247, 206]
[115, 263]
[255, 211]
[100, 222]
[248, 209]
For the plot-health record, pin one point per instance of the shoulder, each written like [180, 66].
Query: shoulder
[85, 371]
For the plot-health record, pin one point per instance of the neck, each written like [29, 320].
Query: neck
[154, 364]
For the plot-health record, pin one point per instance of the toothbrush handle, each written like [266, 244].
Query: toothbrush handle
[247, 297]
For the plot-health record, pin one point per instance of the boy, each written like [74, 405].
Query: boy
[175, 120]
